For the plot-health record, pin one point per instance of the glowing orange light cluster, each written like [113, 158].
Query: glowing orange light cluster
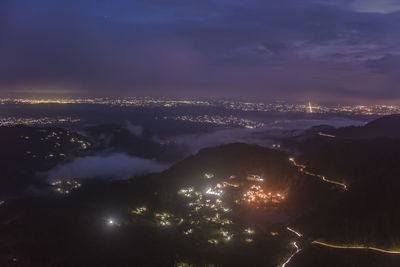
[256, 194]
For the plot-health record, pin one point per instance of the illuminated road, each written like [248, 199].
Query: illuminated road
[323, 178]
[294, 232]
[294, 254]
[326, 135]
[355, 247]
[324, 244]
[328, 245]
[294, 244]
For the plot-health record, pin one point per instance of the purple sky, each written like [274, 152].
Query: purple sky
[319, 50]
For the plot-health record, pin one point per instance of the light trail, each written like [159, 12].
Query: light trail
[333, 182]
[324, 244]
[355, 247]
[310, 108]
[291, 256]
[323, 178]
[294, 232]
[326, 135]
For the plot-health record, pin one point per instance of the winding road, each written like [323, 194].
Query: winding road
[324, 244]
[294, 254]
[323, 178]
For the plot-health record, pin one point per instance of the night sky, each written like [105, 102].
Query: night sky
[320, 50]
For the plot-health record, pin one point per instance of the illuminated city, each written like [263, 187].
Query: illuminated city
[199, 133]
[230, 105]
[213, 208]
[12, 121]
[218, 120]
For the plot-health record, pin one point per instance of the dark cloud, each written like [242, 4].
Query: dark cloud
[386, 64]
[311, 49]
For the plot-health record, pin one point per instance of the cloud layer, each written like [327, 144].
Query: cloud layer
[123, 166]
[264, 136]
[115, 166]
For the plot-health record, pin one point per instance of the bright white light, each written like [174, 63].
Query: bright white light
[249, 231]
[295, 232]
[210, 191]
[291, 256]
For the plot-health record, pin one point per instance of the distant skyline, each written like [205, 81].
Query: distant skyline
[337, 51]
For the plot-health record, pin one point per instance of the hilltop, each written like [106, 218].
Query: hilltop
[25, 151]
